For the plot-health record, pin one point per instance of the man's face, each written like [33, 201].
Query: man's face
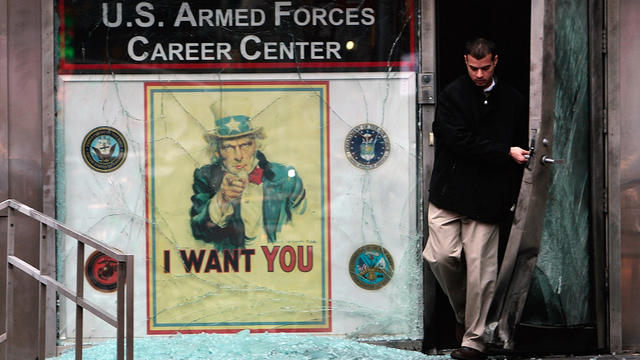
[481, 70]
[238, 154]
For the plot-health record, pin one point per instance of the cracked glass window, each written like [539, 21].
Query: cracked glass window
[257, 157]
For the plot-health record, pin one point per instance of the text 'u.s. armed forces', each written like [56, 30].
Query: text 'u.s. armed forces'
[142, 46]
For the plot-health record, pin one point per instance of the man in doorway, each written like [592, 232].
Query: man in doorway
[241, 199]
[480, 133]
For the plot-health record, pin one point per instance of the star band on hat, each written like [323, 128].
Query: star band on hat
[234, 126]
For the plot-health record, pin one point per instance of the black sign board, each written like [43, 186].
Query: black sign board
[235, 36]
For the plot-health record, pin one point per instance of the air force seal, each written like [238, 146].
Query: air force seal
[104, 149]
[371, 267]
[367, 146]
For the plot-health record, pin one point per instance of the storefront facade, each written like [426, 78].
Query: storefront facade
[114, 117]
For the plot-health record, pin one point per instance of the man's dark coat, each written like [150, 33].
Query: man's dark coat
[473, 173]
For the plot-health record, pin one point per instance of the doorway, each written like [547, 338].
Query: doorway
[507, 23]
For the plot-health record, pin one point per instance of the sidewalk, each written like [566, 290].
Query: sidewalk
[623, 356]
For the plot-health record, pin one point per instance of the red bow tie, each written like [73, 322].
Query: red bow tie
[256, 176]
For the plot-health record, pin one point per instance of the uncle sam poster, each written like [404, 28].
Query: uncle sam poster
[237, 191]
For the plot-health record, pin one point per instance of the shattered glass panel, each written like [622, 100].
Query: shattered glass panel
[323, 239]
[245, 346]
[560, 293]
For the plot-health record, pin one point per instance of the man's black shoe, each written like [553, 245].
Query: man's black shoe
[467, 353]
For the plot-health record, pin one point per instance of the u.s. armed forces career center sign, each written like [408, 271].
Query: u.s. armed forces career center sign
[134, 36]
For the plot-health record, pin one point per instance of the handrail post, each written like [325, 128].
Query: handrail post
[79, 295]
[130, 295]
[45, 270]
[11, 232]
[122, 273]
[4, 252]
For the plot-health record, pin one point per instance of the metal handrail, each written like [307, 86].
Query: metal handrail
[123, 321]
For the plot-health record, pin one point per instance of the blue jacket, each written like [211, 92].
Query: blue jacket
[282, 193]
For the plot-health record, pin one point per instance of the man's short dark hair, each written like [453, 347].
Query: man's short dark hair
[480, 47]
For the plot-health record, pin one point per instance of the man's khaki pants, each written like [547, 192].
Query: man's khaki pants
[468, 281]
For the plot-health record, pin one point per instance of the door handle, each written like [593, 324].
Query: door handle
[547, 160]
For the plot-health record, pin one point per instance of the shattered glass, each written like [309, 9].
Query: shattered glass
[245, 346]
[141, 204]
[560, 294]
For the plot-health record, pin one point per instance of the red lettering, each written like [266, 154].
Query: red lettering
[301, 266]
[288, 259]
[292, 259]
[270, 256]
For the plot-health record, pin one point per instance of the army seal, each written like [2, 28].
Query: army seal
[371, 267]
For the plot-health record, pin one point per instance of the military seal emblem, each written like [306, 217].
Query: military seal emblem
[367, 146]
[104, 149]
[371, 267]
[102, 272]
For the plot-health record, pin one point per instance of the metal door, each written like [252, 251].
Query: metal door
[524, 241]
[521, 258]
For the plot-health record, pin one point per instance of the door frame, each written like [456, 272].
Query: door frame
[605, 241]
[598, 235]
[610, 98]
[427, 86]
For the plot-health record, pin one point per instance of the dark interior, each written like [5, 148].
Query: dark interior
[507, 23]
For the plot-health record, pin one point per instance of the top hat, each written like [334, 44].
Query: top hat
[233, 126]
